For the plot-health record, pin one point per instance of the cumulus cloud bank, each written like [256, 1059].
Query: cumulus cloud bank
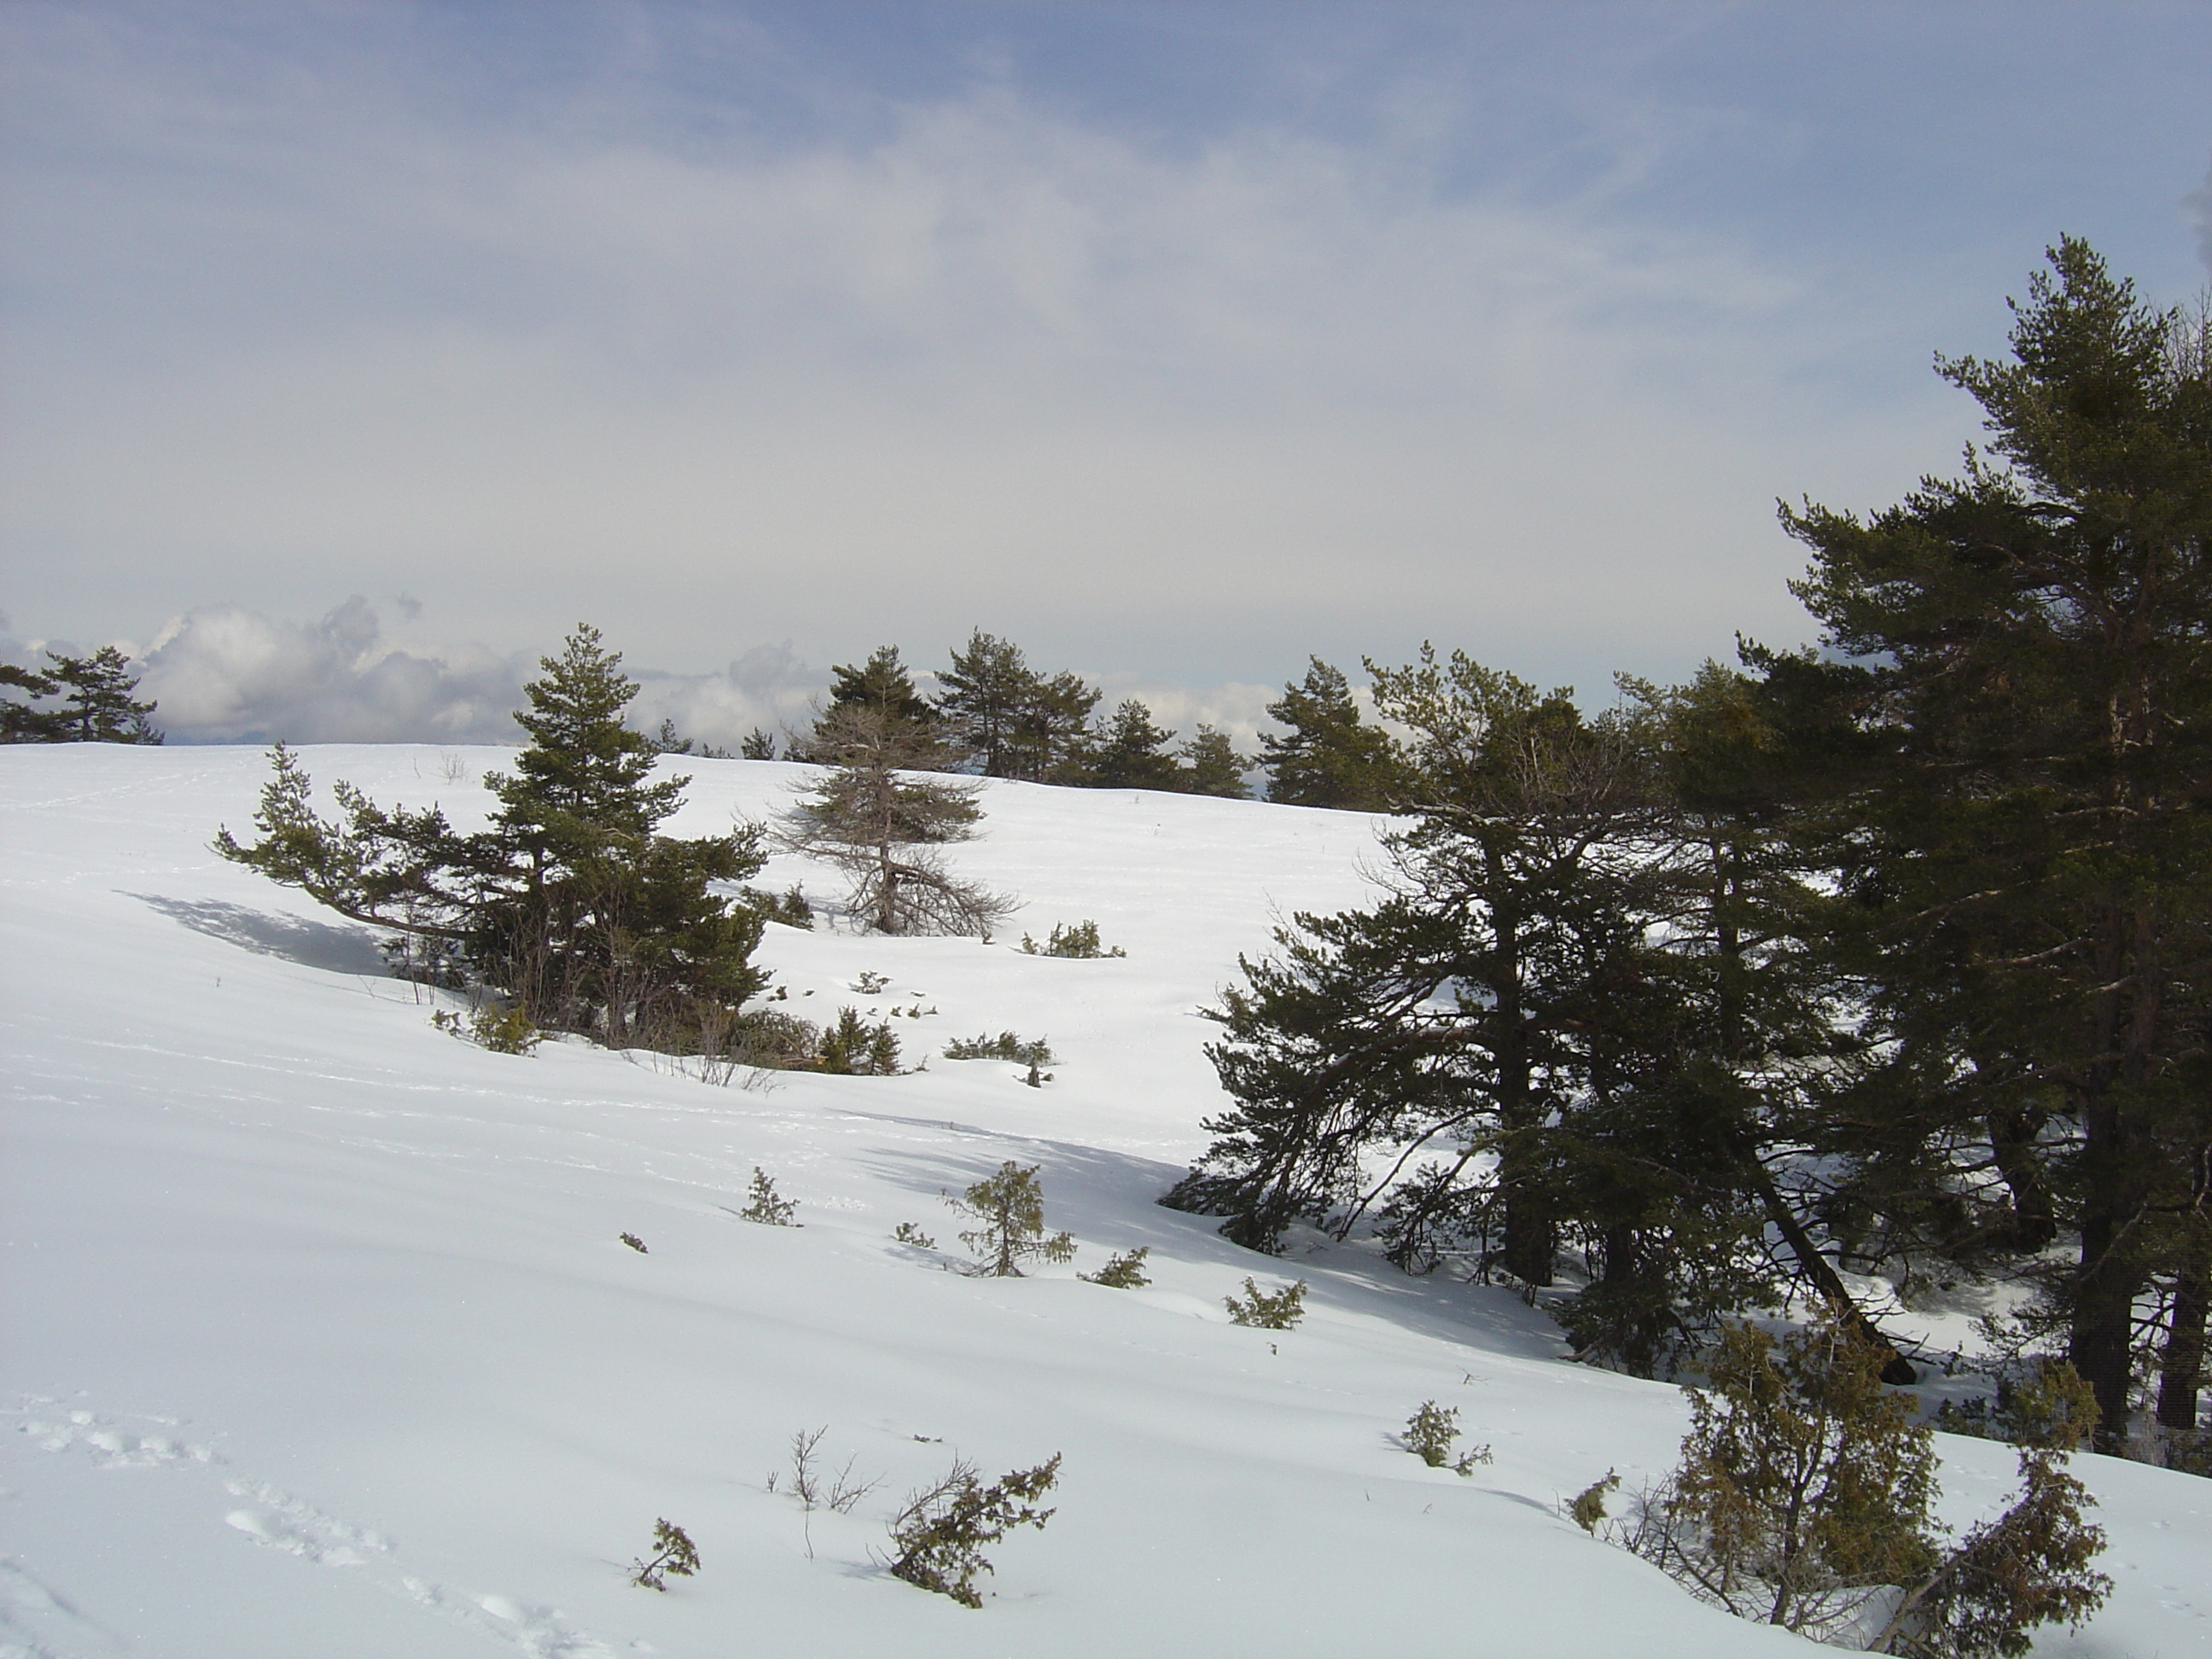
[228, 673]
[223, 673]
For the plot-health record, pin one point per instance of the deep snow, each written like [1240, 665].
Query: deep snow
[321, 1340]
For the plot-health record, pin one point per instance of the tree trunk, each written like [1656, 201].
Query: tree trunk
[2181, 1365]
[1897, 1371]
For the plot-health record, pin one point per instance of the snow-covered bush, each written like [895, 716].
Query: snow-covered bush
[1078, 938]
[1010, 1207]
[673, 1551]
[1270, 1310]
[1124, 1272]
[941, 1529]
[763, 1205]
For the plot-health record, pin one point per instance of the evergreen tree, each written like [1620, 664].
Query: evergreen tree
[570, 901]
[1130, 752]
[96, 705]
[1012, 721]
[1211, 765]
[22, 721]
[2030, 663]
[884, 829]
[985, 693]
[1329, 758]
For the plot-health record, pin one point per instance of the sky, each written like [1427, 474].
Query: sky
[354, 353]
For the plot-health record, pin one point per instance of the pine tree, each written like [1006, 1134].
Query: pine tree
[1129, 752]
[96, 705]
[2027, 832]
[1211, 765]
[1330, 757]
[23, 721]
[1008, 1208]
[882, 687]
[884, 829]
[570, 901]
[985, 693]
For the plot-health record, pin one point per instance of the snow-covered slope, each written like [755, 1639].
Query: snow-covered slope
[319, 1339]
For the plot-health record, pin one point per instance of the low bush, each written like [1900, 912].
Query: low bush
[940, 1531]
[502, 1031]
[1429, 1436]
[1005, 1046]
[857, 1048]
[763, 1205]
[1125, 1272]
[1278, 1311]
[1077, 940]
[674, 1555]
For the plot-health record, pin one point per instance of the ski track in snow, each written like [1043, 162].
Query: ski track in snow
[32, 1613]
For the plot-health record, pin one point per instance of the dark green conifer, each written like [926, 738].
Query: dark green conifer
[96, 704]
[1211, 765]
[1130, 752]
[1330, 757]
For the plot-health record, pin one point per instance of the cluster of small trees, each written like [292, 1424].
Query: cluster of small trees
[1891, 956]
[996, 717]
[570, 903]
[1804, 1499]
[75, 700]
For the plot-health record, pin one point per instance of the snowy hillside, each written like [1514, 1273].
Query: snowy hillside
[320, 1340]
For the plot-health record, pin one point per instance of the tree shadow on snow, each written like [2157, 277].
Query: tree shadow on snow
[1108, 1201]
[349, 950]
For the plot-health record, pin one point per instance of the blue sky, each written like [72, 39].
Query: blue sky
[1174, 341]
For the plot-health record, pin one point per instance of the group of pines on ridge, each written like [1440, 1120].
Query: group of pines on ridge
[1899, 946]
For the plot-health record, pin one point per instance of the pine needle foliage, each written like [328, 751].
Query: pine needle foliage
[1007, 1045]
[1430, 1433]
[762, 1204]
[1803, 1500]
[1124, 1270]
[1075, 938]
[941, 1529]
[1009, 1208]
[674, 1555]
[1267, 1311]
[859, 1048]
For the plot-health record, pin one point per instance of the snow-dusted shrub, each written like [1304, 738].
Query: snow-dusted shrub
[778, 1041]
[634, 1242]
[762, 1204]
[2050, 1406]
[502, 1031]
[1010, 1209]
[1124, 1271]
[673, 1551]
[1078, 938]
[1802, 1500]
[940, 1531]
[1270, 1310]
[858, 1047]
[906, 1233]
[1007, 1045]
[1428, 1435]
